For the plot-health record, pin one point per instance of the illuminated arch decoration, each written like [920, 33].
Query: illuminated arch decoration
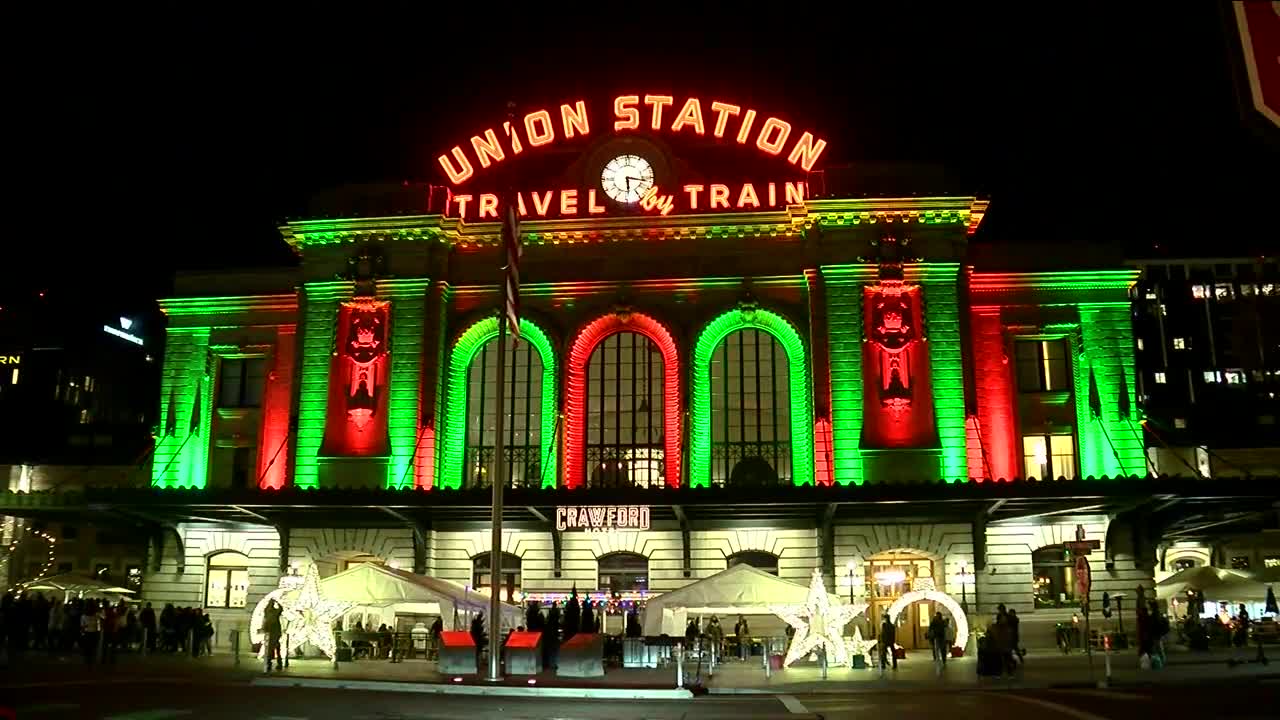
[576, 394]
[464, 351]
[797, 371]
[962, 622]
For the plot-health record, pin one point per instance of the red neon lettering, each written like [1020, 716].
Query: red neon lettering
[541, 205]
[747, 121]
[773, 194]
[520, 205]
[516, 147]
[795, 193]
[592, 207]
[657, 101]
[719, 196]
[690, 114]
[693, 191]
[773, 147]
[806, 151]
[488, 206]
[723, 111]
[487, 147]
[462, 201]
[748, 196]
[574, 118]
[568, 202]
[464, 169]
[543, 135]
[624, 109]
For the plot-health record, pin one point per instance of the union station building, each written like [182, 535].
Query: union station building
[773, 365]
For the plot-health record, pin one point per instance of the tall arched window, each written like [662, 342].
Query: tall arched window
[227, 580]
[482, 574]
[624, 572]
[750, 411]
[523, 416]
[758, 559]
[624, 432]
[1053, 576]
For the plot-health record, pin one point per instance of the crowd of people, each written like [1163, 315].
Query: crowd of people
[99, 629]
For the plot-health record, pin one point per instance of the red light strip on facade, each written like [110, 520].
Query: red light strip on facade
[576, 394]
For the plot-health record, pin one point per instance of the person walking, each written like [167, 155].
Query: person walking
[743, 633]
[272, 628]
[938, 630]
[888, 643]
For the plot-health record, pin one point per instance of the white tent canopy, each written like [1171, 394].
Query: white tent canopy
[74, 584]
[737, 590]
[1217, 584]
[371, 585]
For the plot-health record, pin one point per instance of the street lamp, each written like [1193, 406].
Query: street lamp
[964, 586]
[851, 566]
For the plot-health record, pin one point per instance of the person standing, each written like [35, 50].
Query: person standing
[90, 631]
[888, 643]
[938, 629]
[273, 629]
[147, 618]
[743, 632]
[1017, 656]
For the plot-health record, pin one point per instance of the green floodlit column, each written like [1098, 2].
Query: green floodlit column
[844, 332]
[454, 442]
[1108, 350]
[798, 385]
[946, 365]
[186, 352]
[318, 326]
[408, 310]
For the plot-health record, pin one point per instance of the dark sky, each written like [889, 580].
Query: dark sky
[161, 141]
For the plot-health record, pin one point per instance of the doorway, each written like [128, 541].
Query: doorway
[890, 576]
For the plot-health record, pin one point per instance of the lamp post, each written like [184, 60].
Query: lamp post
[964, 587]
[851, 566]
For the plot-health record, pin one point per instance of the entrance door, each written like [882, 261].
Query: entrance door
[889, 577]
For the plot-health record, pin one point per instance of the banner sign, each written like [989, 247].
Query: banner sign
[603, 518]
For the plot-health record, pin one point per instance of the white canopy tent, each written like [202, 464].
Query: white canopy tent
[75, 585]
[738, 590]
[386, 591]
[1217, 584]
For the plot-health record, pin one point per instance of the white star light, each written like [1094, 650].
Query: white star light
[818, 623]
[860, 646]
[309, 616]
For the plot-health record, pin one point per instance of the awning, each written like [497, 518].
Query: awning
[1217, 584]
[373, 585]
[738, 590]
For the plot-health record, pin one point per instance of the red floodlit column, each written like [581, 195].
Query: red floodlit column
[433, 344]
[993, 379]
[273, 449]
[576, 392]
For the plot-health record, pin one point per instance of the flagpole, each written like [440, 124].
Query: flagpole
[498, 480]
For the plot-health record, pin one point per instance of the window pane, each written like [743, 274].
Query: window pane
[1063, 450]
[231, 382]
[1028, 361]
[239, 588]
[1035, 457]
[255, 379]
[750, 410]
[1055, 362]
[624, 437]
[522, 417]
[216, 592]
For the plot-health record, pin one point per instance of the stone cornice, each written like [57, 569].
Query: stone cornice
[197, 306]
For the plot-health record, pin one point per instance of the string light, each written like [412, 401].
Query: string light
[49, 560]
[818, 623]
[310, 615]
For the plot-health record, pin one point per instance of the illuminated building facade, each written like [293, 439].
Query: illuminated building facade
[779, 369]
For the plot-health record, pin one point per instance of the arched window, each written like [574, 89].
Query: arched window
[227, 580]
[1185, 563]
[624, 572]
[758, 559]
[1053, 576]
[523, 416]
[625, 433]
[750, 411]
[482, 573]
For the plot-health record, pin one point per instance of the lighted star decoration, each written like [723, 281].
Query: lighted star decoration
[819, 624]
[309, 616]
[860, 646]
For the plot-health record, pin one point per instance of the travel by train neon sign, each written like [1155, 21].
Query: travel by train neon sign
[690, 198]
[734, 123]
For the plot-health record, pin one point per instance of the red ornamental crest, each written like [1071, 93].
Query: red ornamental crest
[366, 345]
[894, 329]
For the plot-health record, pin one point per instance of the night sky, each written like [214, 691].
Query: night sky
[151, 143]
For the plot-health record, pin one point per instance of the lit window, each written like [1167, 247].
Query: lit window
[1211, 376]
[750, 411]
[84, 416]
[1179, 344]
[482, 574]
[1234, 377]
[1240, 562]
[1248, 290]
[1180, 423]
[1151, 294]
[1222, 291]
[1271, 561]
[523, 450]
[1042, 365]
[1049, 456]
[1269, 289]
[1053, 577]
[1164, 310]
[1160, 378]
[1199, 292]
[621, 572]
[227, 585]
[624, 438]
[1140, 344]
[1202, 462]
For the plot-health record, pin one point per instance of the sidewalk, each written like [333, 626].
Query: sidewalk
[916, 673]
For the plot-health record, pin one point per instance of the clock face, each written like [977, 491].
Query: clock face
[626, 178]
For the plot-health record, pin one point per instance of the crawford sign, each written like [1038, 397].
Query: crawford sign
[603, 518]
[631, 113]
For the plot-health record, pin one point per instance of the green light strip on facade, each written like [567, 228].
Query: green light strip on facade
[1107, 333]
[407, 324]
[455, 419]
[319, 323]
[844, 333]
[946, 363]
[185, 358]
[798, 371]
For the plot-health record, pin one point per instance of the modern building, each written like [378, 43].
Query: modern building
[1209, 358]
[725, 355]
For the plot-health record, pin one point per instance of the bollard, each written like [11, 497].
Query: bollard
[765, 648]
[679, 666]
[235, 647]
[284, 651]
[822, 658]
[337, 639]
[715, 648]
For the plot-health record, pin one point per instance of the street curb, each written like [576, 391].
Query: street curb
[487, 690]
